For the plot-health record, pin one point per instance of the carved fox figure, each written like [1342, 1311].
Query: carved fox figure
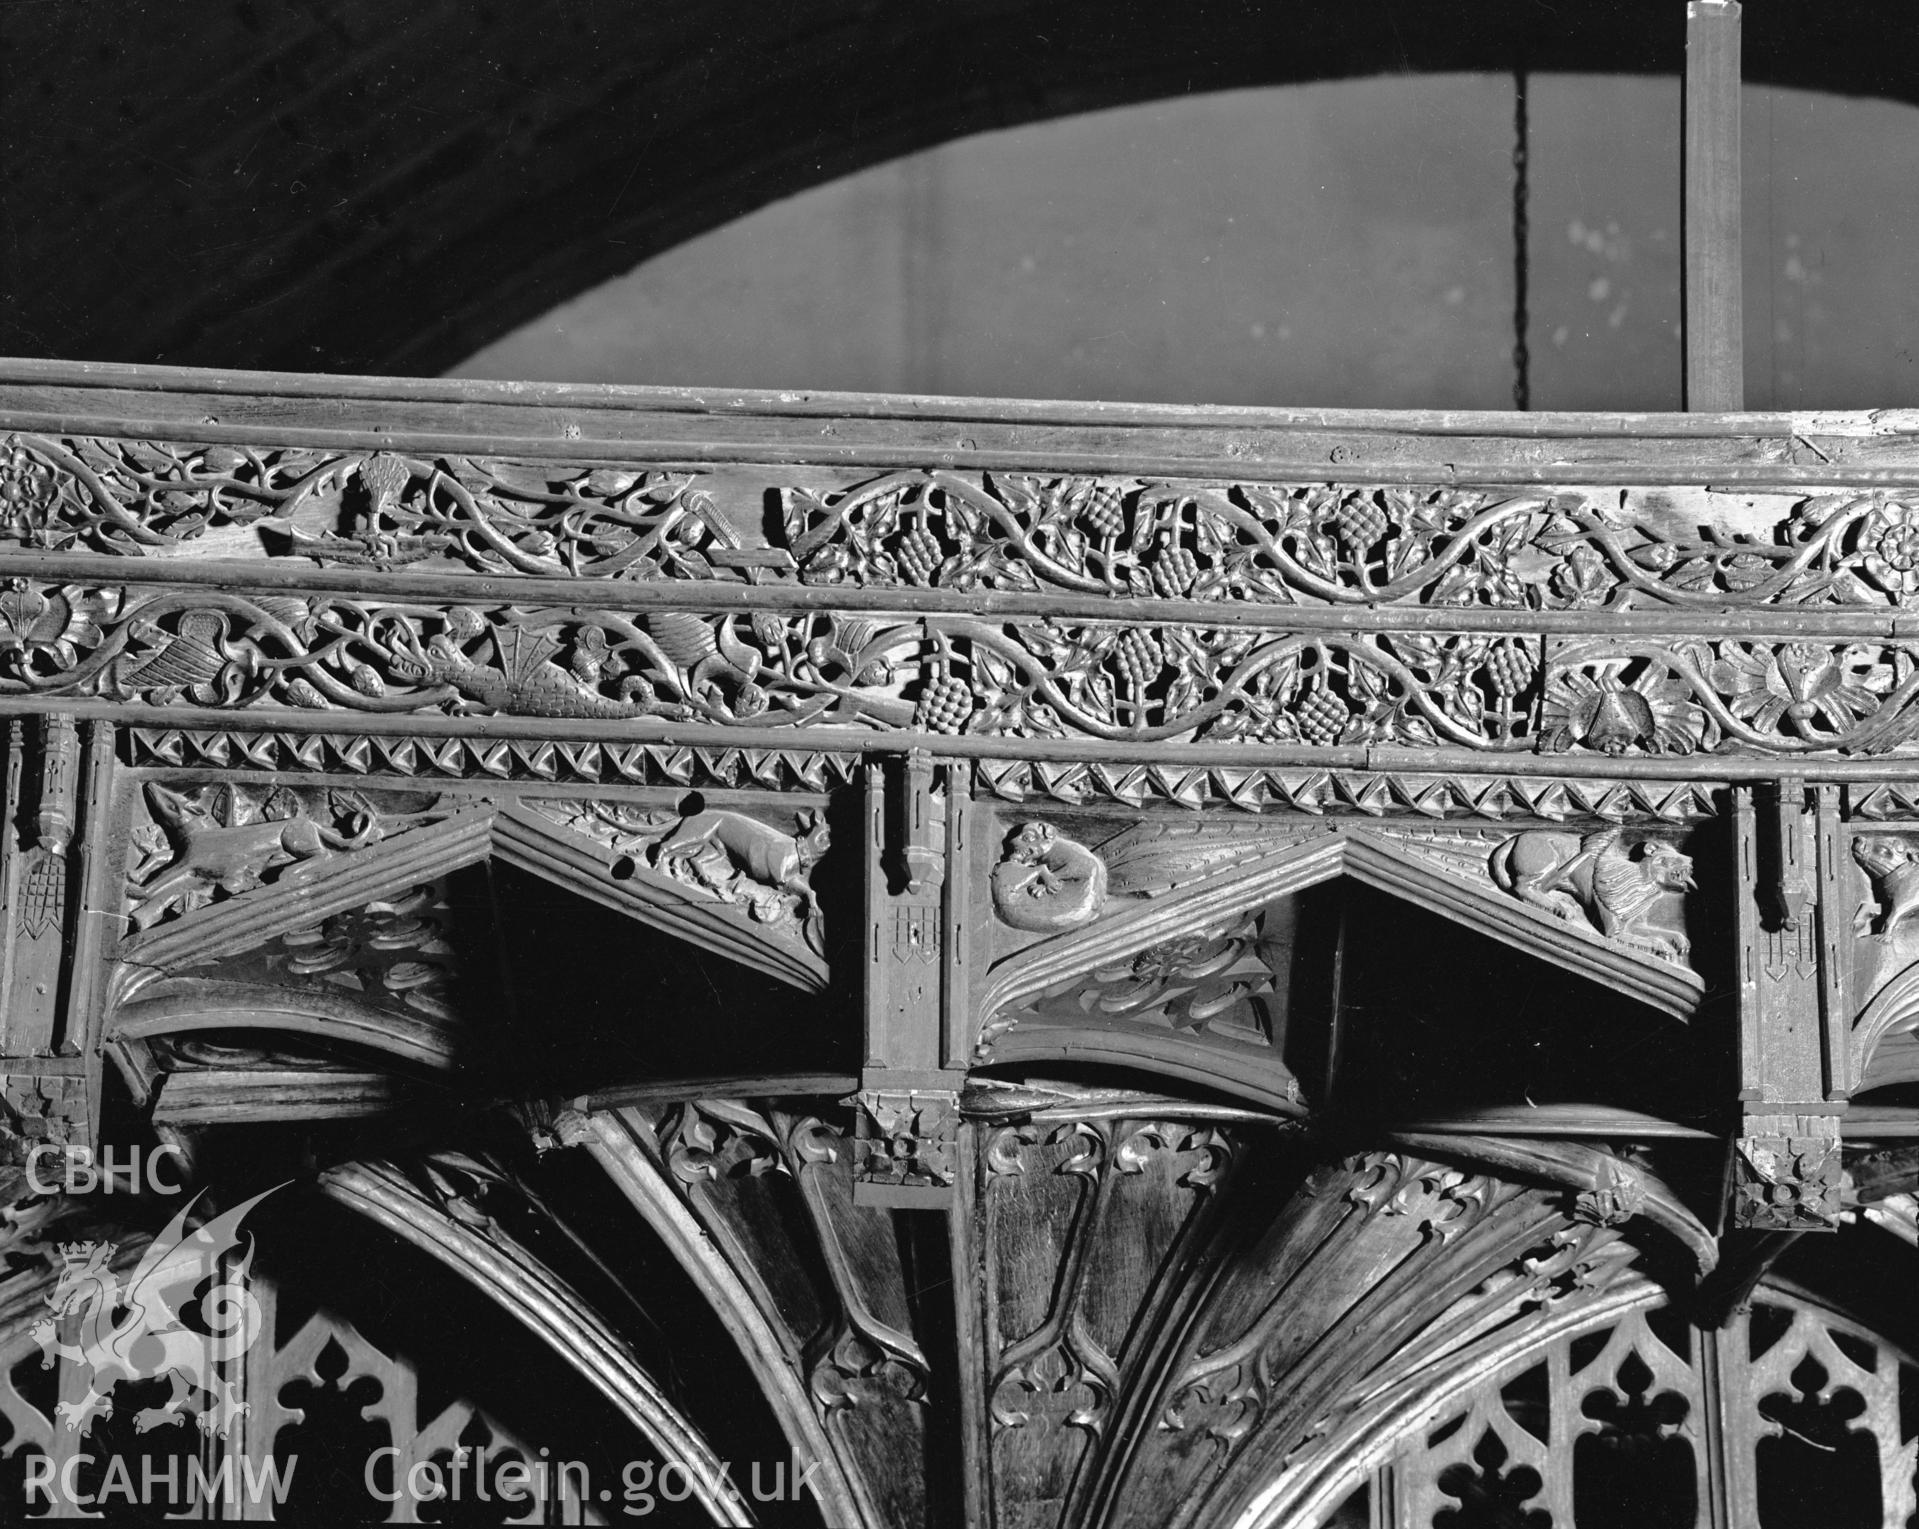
[218, 849]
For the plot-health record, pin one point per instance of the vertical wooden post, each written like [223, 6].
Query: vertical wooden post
[1786, 1161]
[908, 1118]
[1715, 352]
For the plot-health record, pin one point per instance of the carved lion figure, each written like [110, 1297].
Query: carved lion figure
[1595, 875]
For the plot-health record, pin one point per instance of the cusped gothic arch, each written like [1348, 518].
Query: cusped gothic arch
[1151, 982]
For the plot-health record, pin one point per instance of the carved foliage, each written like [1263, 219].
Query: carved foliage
[379, 511]
[1335, 543]
[1342, 544]
[395, 950]
[1786, 697]
[955, 674]
[1216, 978]
[1044, 678]
[906, 1138]
[1787, 1173]
[1057, 679]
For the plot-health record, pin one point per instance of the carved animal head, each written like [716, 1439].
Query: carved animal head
[173, 808]
[812, 838]
[415, 662]
[1881, 854]
[1031, 842]
[1667, 867]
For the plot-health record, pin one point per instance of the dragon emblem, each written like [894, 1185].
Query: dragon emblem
[149, 1341]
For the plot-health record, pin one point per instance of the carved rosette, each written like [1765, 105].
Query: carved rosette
[906, 1139]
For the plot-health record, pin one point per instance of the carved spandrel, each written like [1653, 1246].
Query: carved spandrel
[195, 845]
[1631, 893]
[1891, 865]
[1884, 954]
[1628, 888]
[397, 953]
[1053, 875]
[761, 865]
[1046, 883]
[1222, 979]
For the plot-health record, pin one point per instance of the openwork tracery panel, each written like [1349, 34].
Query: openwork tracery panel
[1790, 1415]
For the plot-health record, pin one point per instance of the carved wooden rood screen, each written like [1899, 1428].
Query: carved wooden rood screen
[1024, 964]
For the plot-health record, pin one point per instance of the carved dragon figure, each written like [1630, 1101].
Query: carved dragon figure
[1567, 875]
[526, 683]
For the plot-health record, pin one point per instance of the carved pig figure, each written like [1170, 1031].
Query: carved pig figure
[711, 843]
